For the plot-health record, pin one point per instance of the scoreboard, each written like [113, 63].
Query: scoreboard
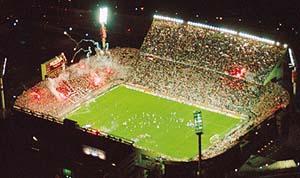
[53, 67]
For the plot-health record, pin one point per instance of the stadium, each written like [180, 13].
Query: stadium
[146, 97]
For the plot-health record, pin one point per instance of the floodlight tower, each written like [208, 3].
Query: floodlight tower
[199, 132]
[1, 85]
[103, 20]
[293, 67]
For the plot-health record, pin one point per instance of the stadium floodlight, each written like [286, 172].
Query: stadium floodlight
[4, 66]
[2, 86]
[291, 57]
[285, 45]
[160, 17]
[198, 122]
[242, 34]
[253, 37]
[199, 132]
[200, 25]
[103, 15]
[224, 30]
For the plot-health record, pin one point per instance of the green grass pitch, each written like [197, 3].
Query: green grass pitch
[160, 125]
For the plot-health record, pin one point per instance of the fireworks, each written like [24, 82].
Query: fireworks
[72, 84]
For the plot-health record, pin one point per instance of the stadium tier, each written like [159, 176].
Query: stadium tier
[148, 95]
[224, 51]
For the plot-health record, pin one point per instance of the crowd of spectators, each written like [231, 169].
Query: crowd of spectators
[78, 83]
[205, 88]
[211, 49]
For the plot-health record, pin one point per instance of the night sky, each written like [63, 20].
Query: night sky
[260, 14]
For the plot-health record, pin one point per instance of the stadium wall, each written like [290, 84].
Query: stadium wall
[55, 143]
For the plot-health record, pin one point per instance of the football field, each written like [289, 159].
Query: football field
[161, 126]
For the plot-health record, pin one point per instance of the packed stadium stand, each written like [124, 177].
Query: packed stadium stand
[206, 47]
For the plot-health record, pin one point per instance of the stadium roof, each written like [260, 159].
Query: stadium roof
[224, 30]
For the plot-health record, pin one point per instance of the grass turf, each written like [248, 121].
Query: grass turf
[163, 126]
